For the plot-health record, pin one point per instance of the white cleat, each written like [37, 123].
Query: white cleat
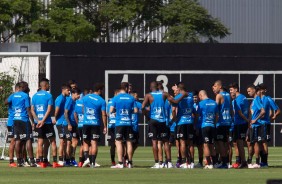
[256, 166]
[192, 165]
[97, 165]
[208, 167]
[86, 163]
[118, 166]
[184, 166]
[250, 166]
[156, 166]
[26, 164]
[170, 165]
[129, 166]
[61, 163]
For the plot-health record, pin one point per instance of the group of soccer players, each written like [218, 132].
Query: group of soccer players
[186, 119]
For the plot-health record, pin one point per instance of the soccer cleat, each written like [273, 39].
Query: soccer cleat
[56, 164]
[184, 166]
[235, 165]
[113, 163]
[42, 164]
[208, 167]
[177, 165]
[156, 166]
[74, 163]
[198, 165]
[118, 166]
[263, 165]
[256, 166]
[80, 164]
[129, 166]
[33, 165]
[192, 165]
[68, 164]
[86, 163]
[162, 165]
[61, 163]
[250, 166]
[26, 164]
[243, 165]
[170, 165]
[230, 166]
[13, 164]
[92, 165]
[221, 166]
[97, 165]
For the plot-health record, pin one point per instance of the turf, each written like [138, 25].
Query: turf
[142, 173]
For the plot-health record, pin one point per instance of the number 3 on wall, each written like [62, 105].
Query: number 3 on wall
[165, 81]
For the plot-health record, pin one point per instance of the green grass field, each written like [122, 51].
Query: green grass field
[141, 173]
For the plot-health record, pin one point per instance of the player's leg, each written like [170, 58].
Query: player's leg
[95, 138]
[86, 143]
[11, 140]
[119, 136]
[152, 134]
[74, 142]
[61, 145]
[129, 137]
[111, 140]
[28, 139]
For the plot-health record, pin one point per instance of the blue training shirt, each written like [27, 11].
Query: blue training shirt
[240, 103]
[78, 111]
[256, 107]
[93, 106]
[111, 116]
[60, 103]
[267, 107]
[70, 106]
[124, 104]
[41, 100]
[208, 110]
[224, 110]
[199, 122]
[10, 121]
[157, 107]
[135, 117]
[20, 101]
[186, 109]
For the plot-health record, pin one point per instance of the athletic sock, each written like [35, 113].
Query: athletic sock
[113, 158]
[11, 161]
[250, 160]
[86, 155]
[178, 159]
[168, 160]
[61, 158]
[192, 160]
[208, 159]
[37, 160]
[156, 161]
[266, 158]
[72, 159]
[93, 159]
[261, 154]
[130, 162]
[55, 159]
[257, 161]
[183, 161]
[201, 160]
[45, 160]
[80, 159]
[214, 160]
[90, 159]
[19, 160]
[32, 160]
[238, 159]
[120, 163]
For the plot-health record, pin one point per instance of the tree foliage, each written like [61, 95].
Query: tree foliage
[6, 88]
[99, 20]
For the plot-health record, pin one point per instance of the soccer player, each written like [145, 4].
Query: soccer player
[124, 105]
[10, 128]
[208, 111]
[223, 101]
[71, 126]
[157, 126]
[271, 108]
[59, 120]
[184, 114]
[79, 118]
[94, 108]
[111, 129]
[135, 120]
[20, 103]
[241, 114]
[41, 108]
[257, 112]
[198, 140]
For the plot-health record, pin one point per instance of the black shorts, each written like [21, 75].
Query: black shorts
[74, 132]
[208, 135]
[240, 132]
[111, 135]
[222, 133]
[11, 134]
[172, 137]
[185, 132]
[91, 132]
[255, 134]
[80, 133]
[63, 132]
[158, 131]
[265, 128]
[135, 138]
[124, 133]
[45, 132]
[198, 137]
[22, 130]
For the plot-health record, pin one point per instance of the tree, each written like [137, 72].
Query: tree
[16, 16]
[62, 24]
[187, 21]
[6, 88]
